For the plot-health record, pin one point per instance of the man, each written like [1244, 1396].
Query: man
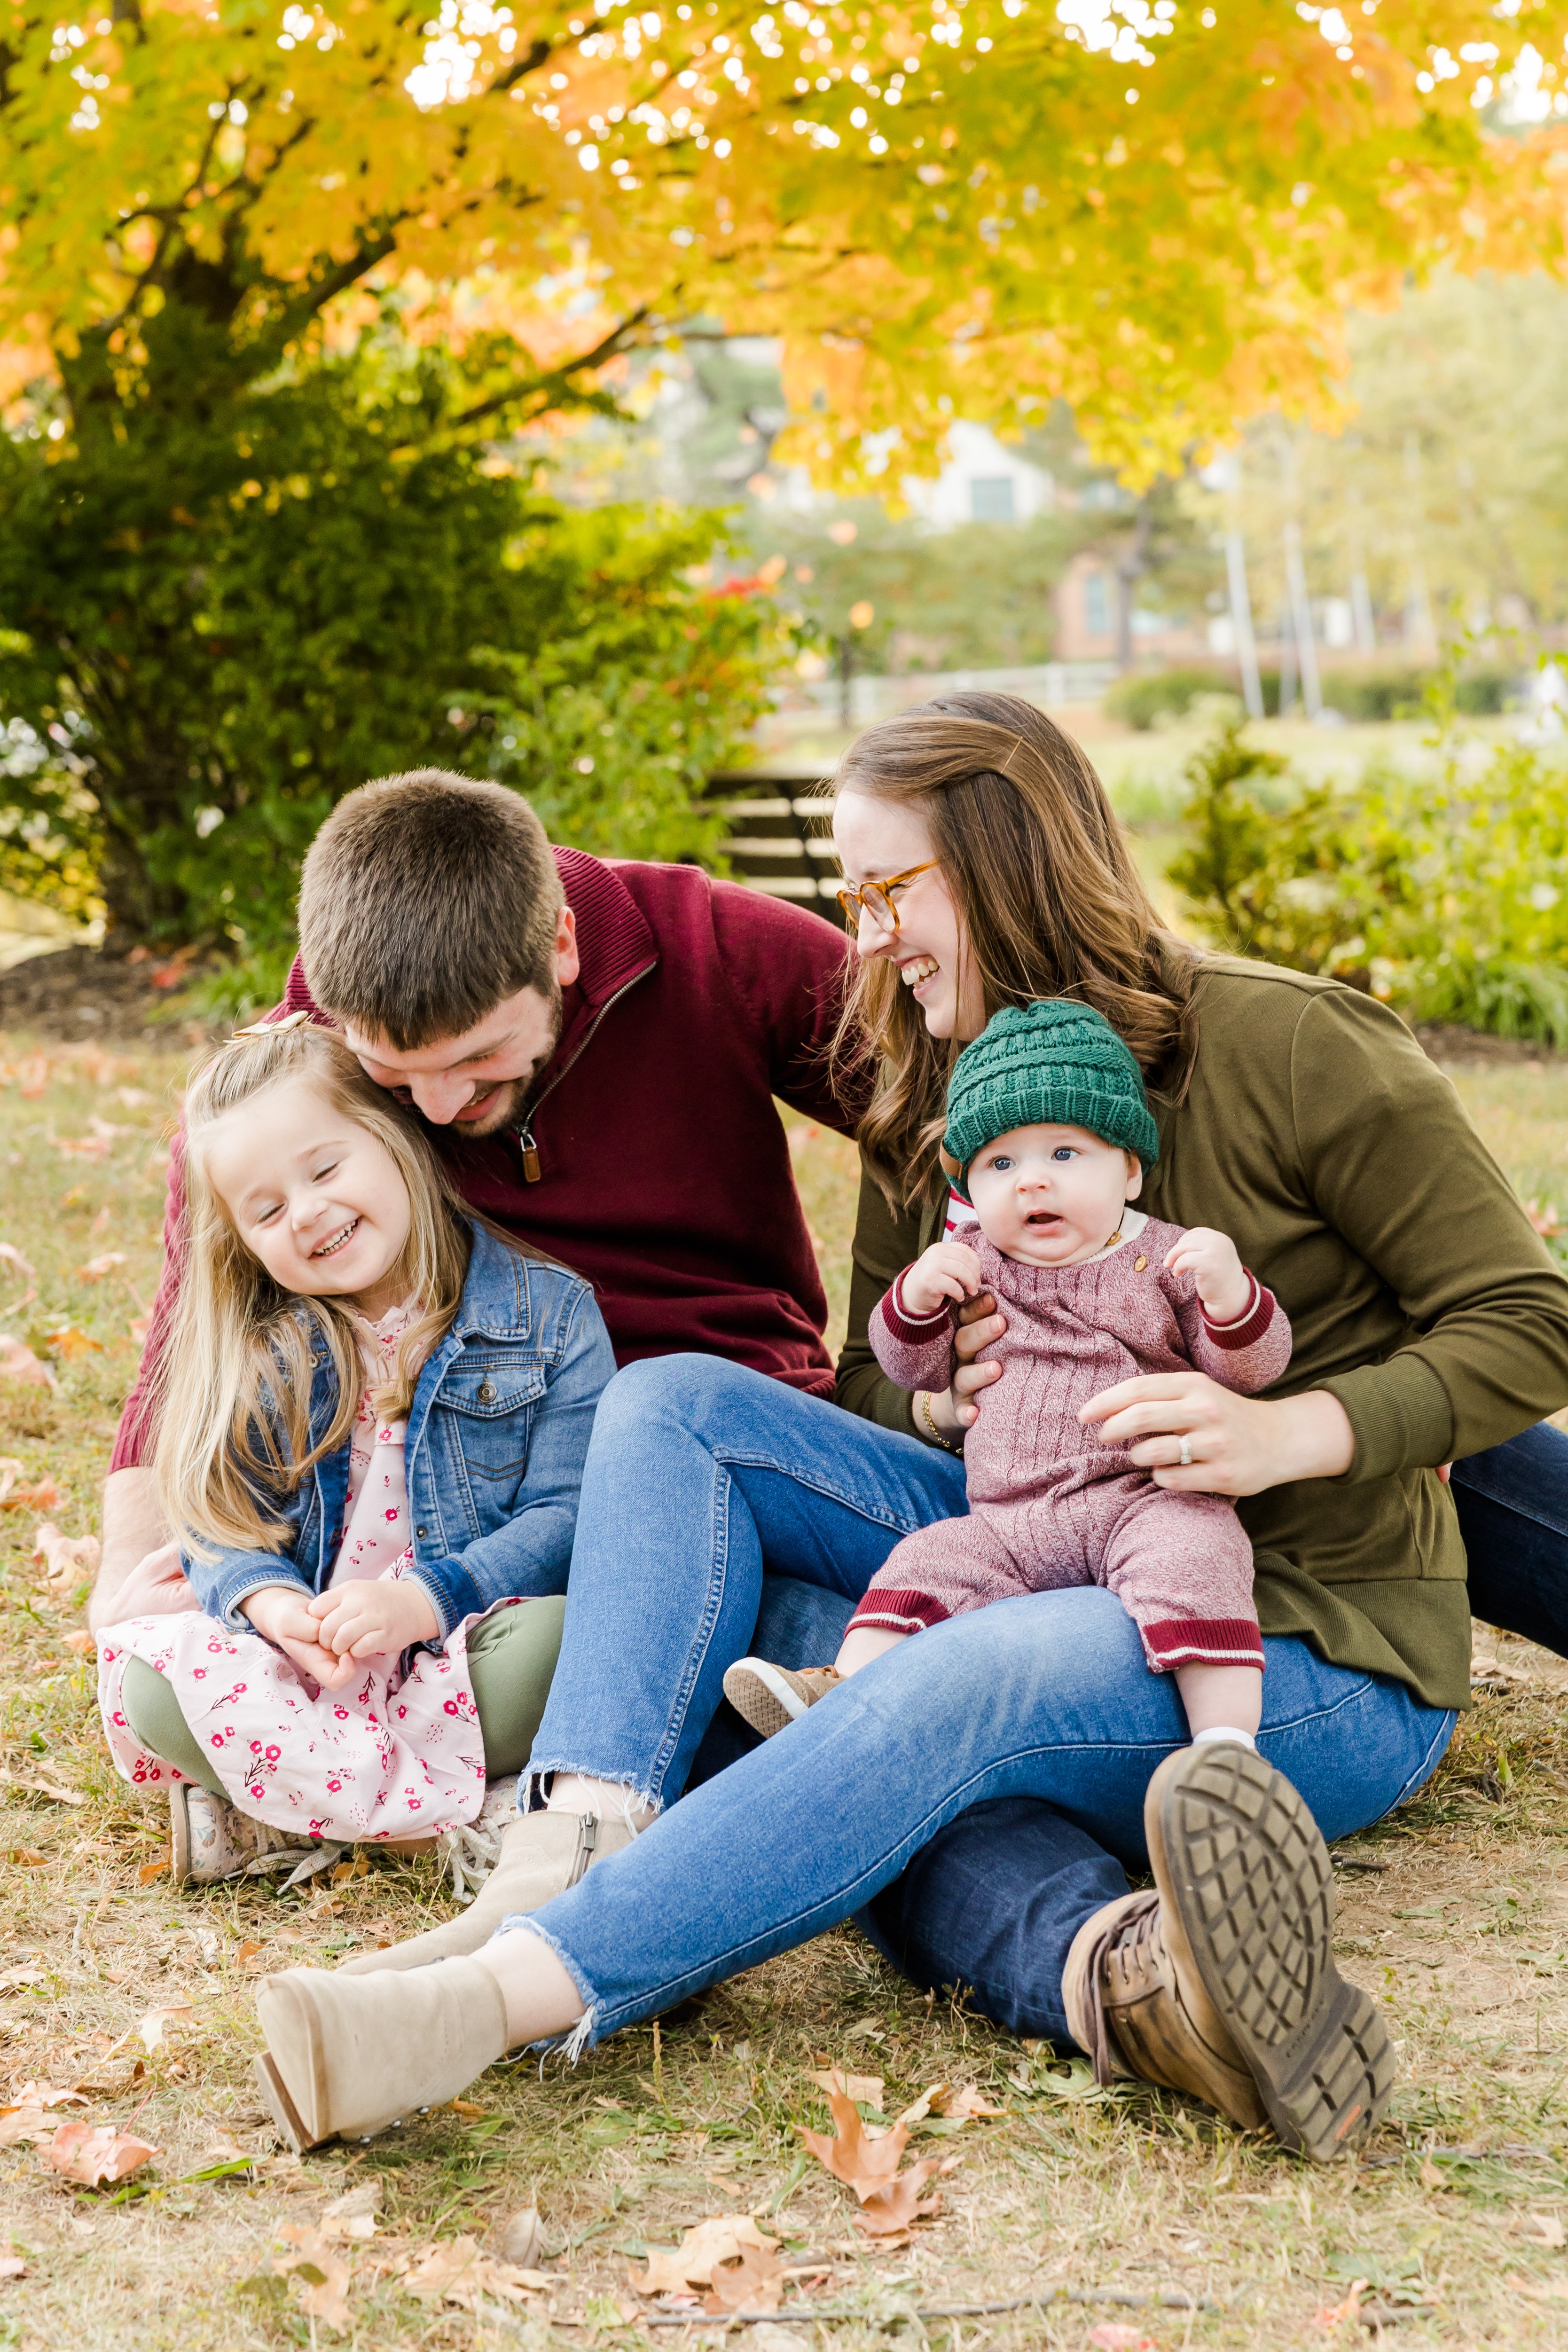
[598, 1047]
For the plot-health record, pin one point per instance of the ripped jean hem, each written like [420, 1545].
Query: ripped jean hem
[530, 1793]
[584, 2034]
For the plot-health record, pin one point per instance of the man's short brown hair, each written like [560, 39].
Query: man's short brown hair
[427, 899]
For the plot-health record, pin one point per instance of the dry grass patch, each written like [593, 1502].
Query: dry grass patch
[1454, 2217]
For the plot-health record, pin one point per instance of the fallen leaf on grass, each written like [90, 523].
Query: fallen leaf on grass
[44, 1496]
[1115, 2335]
[68, 1342]
[85, 1644]
[157, 2021]
[522, 2237]
[32, 1076]
[47, 2094]
[323, 2274]
[963, 2104]
[20, 2123]
[19, 1363]
[250, 1958]
[1330, 2315]
[457, 2272]
[97, 1267]
[892, 2211]
[66, 1559]
[1546, 2230]
[11, 1255]
[752, 2281]
[354, 2215]
[90, 2154]
[152, 1870]
[41, 1788]
[28, 1857]
[862, 2163]
[863, 2089]
[12, 2266]
[722, 2238]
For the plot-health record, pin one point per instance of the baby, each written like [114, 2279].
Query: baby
[1048, 1133]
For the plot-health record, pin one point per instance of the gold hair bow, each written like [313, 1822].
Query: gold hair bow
[266, 1028]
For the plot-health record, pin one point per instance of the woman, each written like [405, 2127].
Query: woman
[1026, 1743]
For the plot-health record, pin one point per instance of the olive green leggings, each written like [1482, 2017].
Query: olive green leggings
[511, 1658]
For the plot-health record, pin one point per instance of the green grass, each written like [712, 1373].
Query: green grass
[1463, 1933]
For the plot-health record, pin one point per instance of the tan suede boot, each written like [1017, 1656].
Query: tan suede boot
[345, 2060]
[542, 1854]
[1225, 1970]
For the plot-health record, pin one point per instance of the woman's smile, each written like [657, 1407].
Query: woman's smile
[917, 972]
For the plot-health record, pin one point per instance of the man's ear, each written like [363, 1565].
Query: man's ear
[1134, 1177]
[568, 962]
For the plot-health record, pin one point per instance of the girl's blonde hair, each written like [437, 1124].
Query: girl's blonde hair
[1050, 903]
[233, 1393]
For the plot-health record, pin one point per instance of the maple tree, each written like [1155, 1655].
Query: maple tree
[1154, 211]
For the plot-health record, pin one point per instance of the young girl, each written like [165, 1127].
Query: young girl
[371, 1438]
[1048, 1132]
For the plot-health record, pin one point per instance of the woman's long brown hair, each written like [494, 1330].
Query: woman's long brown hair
[1050, 903]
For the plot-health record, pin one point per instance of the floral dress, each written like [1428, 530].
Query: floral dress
[394, 1755]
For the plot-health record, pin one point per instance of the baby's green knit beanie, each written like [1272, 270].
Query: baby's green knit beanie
[1051, 1064]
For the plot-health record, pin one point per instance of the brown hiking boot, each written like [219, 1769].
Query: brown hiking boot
[769, 1697]
[1221, 1982]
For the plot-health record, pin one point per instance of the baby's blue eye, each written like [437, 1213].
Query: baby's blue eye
[1064, 1151]
[1002, 1160]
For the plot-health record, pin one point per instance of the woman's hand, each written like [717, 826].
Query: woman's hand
[1236, 1445]
[371, 1616]
[282, 1612]
[979, 1324]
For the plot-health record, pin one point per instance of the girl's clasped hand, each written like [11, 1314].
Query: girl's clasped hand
[327, 1633]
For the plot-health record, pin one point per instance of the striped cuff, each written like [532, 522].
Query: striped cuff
[1250, 1325]
[897, 1612]
[1202, 1641]
[914, 1330]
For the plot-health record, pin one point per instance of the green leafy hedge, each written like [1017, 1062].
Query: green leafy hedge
[209, 635]
[1446, 895]
[1390, 690]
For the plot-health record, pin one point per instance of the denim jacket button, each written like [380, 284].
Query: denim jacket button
[420, 1533]
[487, 1391]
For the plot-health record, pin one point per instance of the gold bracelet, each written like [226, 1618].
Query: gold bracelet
[930, 1424]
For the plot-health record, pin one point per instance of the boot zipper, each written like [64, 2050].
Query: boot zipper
[587, 1839]
[528, 1147]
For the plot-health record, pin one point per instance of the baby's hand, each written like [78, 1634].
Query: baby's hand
[1224, 1285]
[948, 1270]
[373, 1616]
[284, 1615]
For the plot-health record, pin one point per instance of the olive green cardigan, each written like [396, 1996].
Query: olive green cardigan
[1316, 1133]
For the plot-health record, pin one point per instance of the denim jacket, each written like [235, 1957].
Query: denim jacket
[496, 1431]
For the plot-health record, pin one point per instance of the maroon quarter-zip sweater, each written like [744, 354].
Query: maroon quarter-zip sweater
[663, 1169]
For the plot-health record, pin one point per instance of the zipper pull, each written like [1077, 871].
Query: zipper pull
[587, 1839]
[530, 1156]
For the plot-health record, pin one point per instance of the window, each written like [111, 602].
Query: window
[1097, 604]
[991, 498]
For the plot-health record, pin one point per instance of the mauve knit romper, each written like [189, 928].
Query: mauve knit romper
[1048, 1506]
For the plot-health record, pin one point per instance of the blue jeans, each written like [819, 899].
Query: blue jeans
[971, 1797]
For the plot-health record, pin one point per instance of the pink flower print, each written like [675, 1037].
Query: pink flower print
[317, 1828]
[140, 1774]
[217, 1740]
[198, 1674]
[119, 1724]
[450, 1707]
[215, 1647]
[256, 1747]
[334, 1786]
[391, 1515]
[273, 1754]
[257, 1790]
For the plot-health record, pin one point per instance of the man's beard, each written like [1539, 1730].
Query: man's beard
[507, 1110]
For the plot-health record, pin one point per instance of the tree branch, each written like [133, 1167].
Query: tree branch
[559, 380]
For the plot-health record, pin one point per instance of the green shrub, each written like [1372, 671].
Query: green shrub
[1142, 698]
[1447, 895]
[208, 635]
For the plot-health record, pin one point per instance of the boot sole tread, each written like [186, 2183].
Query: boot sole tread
[1253, 1885]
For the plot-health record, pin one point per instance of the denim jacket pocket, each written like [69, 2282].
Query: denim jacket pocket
[485, 1405]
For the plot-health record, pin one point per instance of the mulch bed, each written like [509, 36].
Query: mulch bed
[81, 993]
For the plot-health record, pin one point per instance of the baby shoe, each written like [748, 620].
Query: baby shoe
[769, 1697]
[210, 1839]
